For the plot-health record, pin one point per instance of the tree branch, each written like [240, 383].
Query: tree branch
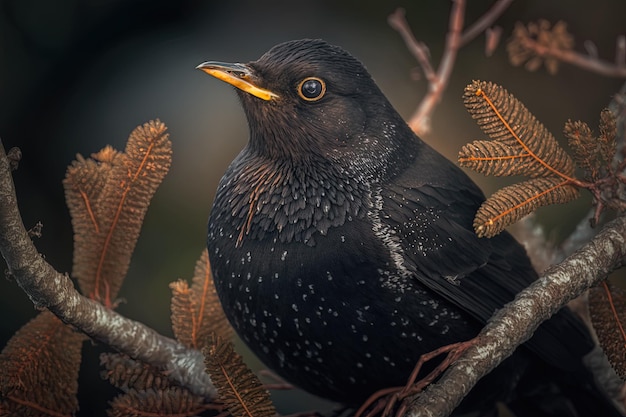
[599, 251]
[485, 21]
[516, 322]
[586, 62]
[47, 288]
[437, 81]
[419, 50]
[455, 39]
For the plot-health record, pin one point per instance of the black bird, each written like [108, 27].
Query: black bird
[342, 245]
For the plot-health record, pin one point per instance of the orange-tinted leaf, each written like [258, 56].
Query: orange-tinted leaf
[174, 401]
[529, 44]
[608, 134]
[586, 148]
[239, 389]
[506, 120]
[108, 198]
[39, 369]
[511, 203]
[607, 307]
[126, 373]
[495, 158]
[197, 312]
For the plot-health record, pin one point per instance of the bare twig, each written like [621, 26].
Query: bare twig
[586, 62]
[485, 21]
[453, 352]
[419, 50]
[492, 39]
[392, 395]
[514, 324]
[420, 120]
[47, 288]
[14, 155]
[620, 51]
[598, 255]
[583, 232]
[455, 39]
[591, 48]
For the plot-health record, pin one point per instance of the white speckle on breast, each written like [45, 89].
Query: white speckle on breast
[390, 240]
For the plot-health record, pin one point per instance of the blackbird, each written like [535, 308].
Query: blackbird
[342, 245]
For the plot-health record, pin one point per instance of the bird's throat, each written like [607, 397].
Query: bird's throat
[286, 202]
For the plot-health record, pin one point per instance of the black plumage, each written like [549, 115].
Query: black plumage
[342, 245]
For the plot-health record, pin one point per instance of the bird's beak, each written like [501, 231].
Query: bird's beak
[238, 75]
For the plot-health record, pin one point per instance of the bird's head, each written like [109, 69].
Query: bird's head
[309, 99]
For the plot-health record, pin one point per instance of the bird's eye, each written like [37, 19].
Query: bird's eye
[312, 89]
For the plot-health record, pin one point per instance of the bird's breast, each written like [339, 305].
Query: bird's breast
[287, 203]
[304, 279]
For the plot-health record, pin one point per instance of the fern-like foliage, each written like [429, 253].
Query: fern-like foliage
[174, 401]
[39, 369]
[108, 196]
[196, 316]
[196, 311]
[238, 387]
[593, 154]
[608, 136]
[509, 123]
[126, 373]
[520, 145]
[518, 200]
[147, 391]
[529, 40]
[585, 147]
[494, 158]
[607, 307]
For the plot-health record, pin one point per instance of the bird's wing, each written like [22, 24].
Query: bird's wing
[433, 226]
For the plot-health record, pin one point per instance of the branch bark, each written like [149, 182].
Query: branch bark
[584, 259]
[516, 322]
[48, 288]
[455, 39]
[509, 328]
[587, 62]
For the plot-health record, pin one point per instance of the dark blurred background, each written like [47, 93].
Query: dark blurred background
[76, 75]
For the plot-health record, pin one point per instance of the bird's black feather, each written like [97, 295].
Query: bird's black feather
[434, 228]
[342, 245]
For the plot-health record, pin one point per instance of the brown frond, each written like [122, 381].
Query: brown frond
[593, 154]
[183, 313]
[108, 197]
[608, 134]
[585, 146]
[528, 41]
[494, 158]
[607, 306]
[211, 317]
[197, 312]
[506, 120]
[174, 401]
[520, 145]
[39, 369]
[126, 373]
[239, 389]
[84, 181]
[518, 53]
[511, 203]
